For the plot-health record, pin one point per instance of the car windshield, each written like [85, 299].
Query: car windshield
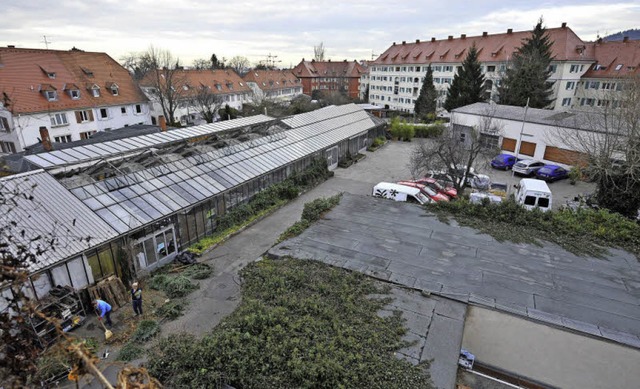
[522, 164]
[437, 185]
[499, 158]
[422, 198]
[545, 170]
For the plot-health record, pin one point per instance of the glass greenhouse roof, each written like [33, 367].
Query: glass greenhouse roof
[135, 199]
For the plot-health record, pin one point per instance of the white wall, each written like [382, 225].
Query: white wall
[26, 127]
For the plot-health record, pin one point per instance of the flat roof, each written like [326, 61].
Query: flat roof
[395, 242]
[535, 184]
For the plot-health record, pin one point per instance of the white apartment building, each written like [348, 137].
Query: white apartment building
[224, 83]
[396, 76]
[72, 94]
[276, 85]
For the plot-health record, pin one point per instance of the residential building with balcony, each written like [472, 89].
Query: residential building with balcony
[72, 94]
[277, 85]
[330, 76]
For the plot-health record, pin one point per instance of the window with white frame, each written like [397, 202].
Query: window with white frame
[566, 102]
[448, 68]
[59, 119]
[570, 85]
[123, 110]
[62, 139]
[4, 124]
[95, 92]
[86, 134]
[114, 90]
[553, 68]
[618, 67]
[51, 95]
[138, 108]
[8, 147]
[104, 113]
[74, 94]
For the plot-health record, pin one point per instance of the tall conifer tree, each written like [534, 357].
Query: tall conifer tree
[528, 74]
[426, 101]
[467, 86]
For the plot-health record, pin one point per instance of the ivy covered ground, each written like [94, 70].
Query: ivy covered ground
[300, 324]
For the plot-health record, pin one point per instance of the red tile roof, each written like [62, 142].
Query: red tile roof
[614, 59]
[24, 74]
[312, 69]
[491, 48]
[226, 79]
[272, 79]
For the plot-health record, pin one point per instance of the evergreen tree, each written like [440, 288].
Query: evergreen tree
[528, 75]
[468, 84]
[426, 101]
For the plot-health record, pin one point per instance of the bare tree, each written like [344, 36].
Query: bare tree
[206, 103]
[607, 139]
[168, 81]
[319, 52]
[239, 64]
[138, 64]
[457, 149]
[201, 63]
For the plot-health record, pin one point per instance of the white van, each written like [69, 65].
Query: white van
[399, 192]
[534, 193]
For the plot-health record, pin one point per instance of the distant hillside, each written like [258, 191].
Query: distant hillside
[633, 34]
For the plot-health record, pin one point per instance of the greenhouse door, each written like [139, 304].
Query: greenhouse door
[332, 157]
[153, 249]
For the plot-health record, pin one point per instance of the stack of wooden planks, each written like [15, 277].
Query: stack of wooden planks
[111, 290]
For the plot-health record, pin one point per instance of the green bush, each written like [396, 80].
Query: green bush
[582, 232]
[172, 310]
[129, 352]
[179, 286]
[429, 131]
[198, 271]
[300, 324]
[158, 281]
[146, 330]
[313, 210]
[296, 229]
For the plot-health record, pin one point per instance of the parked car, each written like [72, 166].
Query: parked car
[432, 183]
[471, 179]
[552, 173]
[503, 161]
[527, 167]
[432, 194]
[398, 192]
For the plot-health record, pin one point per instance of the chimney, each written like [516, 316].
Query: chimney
[564, 24]
[45, 140]
[450, 37]
[599, 40]
[510, 31]
[404, 42]
[625, 39]
[433, 39]
[484, 33]
[417, 40]
[163, 123]
[463, 36]
[394, 43]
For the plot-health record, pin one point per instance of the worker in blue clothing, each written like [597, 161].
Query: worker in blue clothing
[103, 309]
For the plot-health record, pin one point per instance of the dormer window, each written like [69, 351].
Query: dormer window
[218, 86]
[74, 94]
[51, 75]
[87, 72]
[113, 88]
[185, 87]
[230, 85]
[618, 67]
[51, 95]
[95, 90]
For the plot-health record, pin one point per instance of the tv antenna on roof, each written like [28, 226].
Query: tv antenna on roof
[45, 41]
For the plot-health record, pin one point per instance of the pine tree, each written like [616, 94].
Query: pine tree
[528, 75]
[467, 86]
[426, 101]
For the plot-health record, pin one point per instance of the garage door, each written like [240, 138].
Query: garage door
[509, 144]
[527, 148]
[568, 157]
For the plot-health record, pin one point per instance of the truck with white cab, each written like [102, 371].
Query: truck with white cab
[399, 192]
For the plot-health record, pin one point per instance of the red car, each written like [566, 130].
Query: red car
[432, 183]
[427, 191]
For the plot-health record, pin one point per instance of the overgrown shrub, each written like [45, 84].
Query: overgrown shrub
[296, 229]
[129, 352]
[300, 324]
[179, 286]
[314, 209]
[429, 131]
[172, 310]
[582, 232]
[158, 281]
[146, 330]
[198, 271]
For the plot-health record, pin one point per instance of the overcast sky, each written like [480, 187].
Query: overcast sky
[350, 29]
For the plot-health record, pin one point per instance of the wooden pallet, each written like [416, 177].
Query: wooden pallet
[111, 290]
